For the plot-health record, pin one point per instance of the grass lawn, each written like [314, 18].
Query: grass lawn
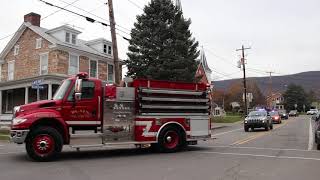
[4, 134]
[226, 119]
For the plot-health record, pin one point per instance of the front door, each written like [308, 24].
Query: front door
[84, 112]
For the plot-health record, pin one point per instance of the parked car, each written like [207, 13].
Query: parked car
[258, 119]
[293, 113]
[283, 114]
[312, 112]
[276, 118]
[317, 130]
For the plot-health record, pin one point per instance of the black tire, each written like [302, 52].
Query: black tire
[266, 128]
[246, 129]
[177, 140]
[318, 146]
[271, 126]
[51, 140]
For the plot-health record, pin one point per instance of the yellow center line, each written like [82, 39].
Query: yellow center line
[260, 134]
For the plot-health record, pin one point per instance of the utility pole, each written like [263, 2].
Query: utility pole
[270, 86]
[114, 43]
[243, 63]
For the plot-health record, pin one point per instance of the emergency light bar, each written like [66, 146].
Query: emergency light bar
[82, 75]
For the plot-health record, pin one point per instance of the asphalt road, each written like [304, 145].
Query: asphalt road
[283, 153]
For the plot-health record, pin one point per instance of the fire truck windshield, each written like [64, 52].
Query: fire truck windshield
[62, 90]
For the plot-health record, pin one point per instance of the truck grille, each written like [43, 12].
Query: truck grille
[254, 121]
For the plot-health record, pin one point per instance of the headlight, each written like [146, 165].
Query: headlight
[17, 121]
[245, 121]
[263, 121]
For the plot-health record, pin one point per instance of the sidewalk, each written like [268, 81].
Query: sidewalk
[224, 125]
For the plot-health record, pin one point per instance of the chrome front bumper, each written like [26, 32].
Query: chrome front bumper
[18, 136]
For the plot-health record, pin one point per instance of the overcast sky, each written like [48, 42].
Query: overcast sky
[284, 34]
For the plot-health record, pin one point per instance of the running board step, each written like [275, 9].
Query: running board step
[86, 135]
[112, 144]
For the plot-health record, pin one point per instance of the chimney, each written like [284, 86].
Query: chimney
[32, 18]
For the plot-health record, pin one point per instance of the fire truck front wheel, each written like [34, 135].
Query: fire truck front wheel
[44, 144]
[171, 139]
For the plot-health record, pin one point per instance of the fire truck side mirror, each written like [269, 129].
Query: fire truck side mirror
[77, 89]
[77, 96]
[77, 86]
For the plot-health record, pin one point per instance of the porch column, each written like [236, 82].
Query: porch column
[49, 90]
[26, 95]
[0, 102]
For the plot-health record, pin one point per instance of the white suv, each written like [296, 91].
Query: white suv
[312, 112]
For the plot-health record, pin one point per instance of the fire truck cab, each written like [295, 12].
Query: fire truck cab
[85, 112]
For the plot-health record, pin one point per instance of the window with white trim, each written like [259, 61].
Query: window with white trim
[109, 50]
[67, 37]
[16, 50]
[73, 64]
[110, 73]
[43, 63]
[10, 70]
[93, 68]
[73, 38]
[105, 48]
[38, 43]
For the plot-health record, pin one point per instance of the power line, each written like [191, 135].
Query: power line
[81, 9]
[135, 4]
[221, 58]
[86, 17]
[68, 4]
[227, 75]
[89, 11]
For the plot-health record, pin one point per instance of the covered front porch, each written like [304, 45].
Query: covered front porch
[19, 92]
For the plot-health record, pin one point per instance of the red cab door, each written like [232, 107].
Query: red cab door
[84, 112]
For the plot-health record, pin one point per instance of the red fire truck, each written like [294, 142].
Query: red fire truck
[85, 112]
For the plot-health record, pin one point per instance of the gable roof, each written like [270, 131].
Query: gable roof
[81, 44]
[204, 64]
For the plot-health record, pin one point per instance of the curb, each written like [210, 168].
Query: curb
[219, 127]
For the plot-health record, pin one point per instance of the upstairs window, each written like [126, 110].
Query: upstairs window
[104, 48]
[109, 50]
[93, 68]
[16, 50]
[38, 43]
[44, 64]
[73, 39]
[73, 64]
[10, 70]
[110, 73]
[67, 37]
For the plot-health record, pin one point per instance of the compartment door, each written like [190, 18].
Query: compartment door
[119, 117]
[199, 127]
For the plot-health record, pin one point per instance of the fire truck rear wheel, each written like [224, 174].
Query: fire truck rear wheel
[44, 144]
[171, 139]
